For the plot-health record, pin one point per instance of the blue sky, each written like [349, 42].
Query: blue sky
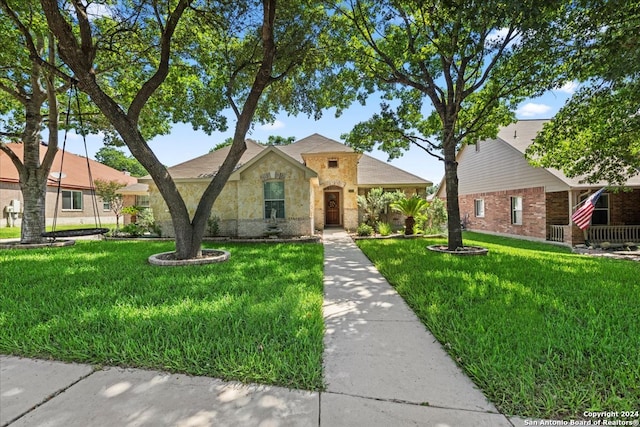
[184, 143]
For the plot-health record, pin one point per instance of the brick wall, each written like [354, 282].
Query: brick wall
[624, 208]
[497, 208]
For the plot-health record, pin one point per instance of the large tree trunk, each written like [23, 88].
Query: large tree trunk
[79, 57]
[34, 191]
[33, 174]
[451, 181]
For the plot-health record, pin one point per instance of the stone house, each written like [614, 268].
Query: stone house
[302, 187]
[500, 192]
[75, 205]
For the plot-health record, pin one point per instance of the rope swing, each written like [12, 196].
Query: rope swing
[98, 229]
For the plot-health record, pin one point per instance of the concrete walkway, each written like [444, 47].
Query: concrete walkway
[382, 368]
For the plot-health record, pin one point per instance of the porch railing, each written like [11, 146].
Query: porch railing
[614, 233]
[556, 233]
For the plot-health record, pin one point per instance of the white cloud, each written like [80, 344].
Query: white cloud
[273, 126]
[531, 109]
[497, 35]
[569, 87]
[98, 10]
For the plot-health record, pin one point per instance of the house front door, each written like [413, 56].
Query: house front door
[332, 208]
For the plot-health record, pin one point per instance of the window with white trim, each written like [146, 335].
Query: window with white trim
[478, 208]
[71, 200]
[516, 210]
[142, 201]
[601, 212]
[274, 199]
[106, 206]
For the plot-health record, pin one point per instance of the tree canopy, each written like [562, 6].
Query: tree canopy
[451, 73]
[117, 159]
[596, 135]
[196, 59]
[29, 95]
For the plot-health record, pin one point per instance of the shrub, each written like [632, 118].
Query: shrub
[132, 230]
[384, 228]
[364, 230]
[376, 202]
[437, 214]
[213, 225]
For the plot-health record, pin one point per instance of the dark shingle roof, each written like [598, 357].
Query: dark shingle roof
[371, 172]
[207, 165]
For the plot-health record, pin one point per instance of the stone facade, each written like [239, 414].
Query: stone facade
[319, 178]
[240, 206]
[342, 178]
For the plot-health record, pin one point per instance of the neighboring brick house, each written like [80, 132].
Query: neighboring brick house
[302, 187]
[75, 204]
[500, 192]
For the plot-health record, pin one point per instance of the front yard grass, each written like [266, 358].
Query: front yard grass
[254, 318]
[543, 332]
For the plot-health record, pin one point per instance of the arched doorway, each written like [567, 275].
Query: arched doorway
[332, 206]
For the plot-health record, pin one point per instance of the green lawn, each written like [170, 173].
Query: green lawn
[254, 318]
[545, 333]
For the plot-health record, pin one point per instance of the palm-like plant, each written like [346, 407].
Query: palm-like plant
[410, 207]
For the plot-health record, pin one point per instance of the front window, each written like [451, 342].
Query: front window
[106, 206]
[71, 200]
[274, 199]
[142, 201]
[516, 210]
[333, 163]
[601, 212]
[478, 207]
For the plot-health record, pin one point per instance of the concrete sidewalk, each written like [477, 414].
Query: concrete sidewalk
[382, 368]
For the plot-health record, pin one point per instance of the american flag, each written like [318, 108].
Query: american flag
[582, 216]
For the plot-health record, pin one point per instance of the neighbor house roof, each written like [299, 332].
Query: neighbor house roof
[137, 189]
[521, 134]
[75, 173]
[371, 172]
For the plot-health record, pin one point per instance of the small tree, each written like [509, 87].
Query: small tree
[410, 208]
[374, 203]
[436, 214]
[109, 192]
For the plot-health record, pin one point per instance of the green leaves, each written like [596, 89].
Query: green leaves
[450, 72]
[118, 160]
[410, 206]
[595, 135]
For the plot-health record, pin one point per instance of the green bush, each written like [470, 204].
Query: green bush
[384, 228]
[364, 230]
[132, 229]
[213, 225]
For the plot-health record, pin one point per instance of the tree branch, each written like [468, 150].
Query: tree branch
[14, 159]
[22, 98]
[151, 85]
